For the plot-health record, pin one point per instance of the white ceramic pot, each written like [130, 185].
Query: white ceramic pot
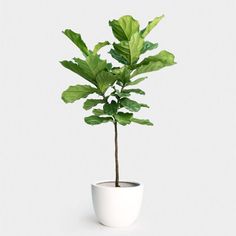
[117, 206]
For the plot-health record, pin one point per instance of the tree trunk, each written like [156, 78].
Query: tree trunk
[116, 156]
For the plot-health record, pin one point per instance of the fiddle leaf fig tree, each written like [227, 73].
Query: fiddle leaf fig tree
[108, 89]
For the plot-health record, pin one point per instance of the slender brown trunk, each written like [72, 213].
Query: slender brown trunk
[116, 156]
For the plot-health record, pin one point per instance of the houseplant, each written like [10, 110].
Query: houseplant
[116, 203]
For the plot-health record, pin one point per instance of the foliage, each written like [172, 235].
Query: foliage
[113, 86]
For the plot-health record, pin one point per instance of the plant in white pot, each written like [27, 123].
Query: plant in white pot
[116, 203]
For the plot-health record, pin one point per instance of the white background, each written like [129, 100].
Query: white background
[49, 157]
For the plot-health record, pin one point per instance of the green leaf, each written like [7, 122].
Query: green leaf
[137, 81]
[138, 91]
[124, 28]
[96, 120]
[152, 66]
[87, 69]
[98, 112]
[104, 80]
[154, 63]
[123, 118]
[77, 40]
[163, 56]
[110, 108]
[123, 74]
[144, 105]
[118, 57]
[130, 50]
[148, 46]
[130, 105]
[121, 94]
[109, 66]
[142, 121]
[100, 45]
[150, 26]
[95, 64]
[89, 103]
[80, 69]
[76, 92]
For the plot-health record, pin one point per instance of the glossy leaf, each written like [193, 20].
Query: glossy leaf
[138, 91]
[152, 66]
[130, 50]
[96, 120]
[124, 28]
[144, 105]
[137, 81]
[123, 118]
[147, 46]
[130, 105]
[110, 108]
[104, 80]
[77, 40]
[98, 112]
[121, 94]
[100, 45]
[81, 69]
[150, 26]
[90, 103]
[142, 121]
[154, 63]
[109, 66]
[77, 92]
[163, 56]
[95, 64]
[123, 74]
[118, 57]
[87, 69]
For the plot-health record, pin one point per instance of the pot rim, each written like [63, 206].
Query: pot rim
[136, 184]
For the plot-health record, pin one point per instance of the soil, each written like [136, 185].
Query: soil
[122, 184]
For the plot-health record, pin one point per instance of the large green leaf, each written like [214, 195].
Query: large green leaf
[104, 80]
[123, 118]
[124, 28]
[76, 92]
[99, 45]
[89, 103]
[80, 69]
[87, 69]
[119, 94]
[130, 50]
[98, 112]
[96, 120]
[141, 121]
[154, 63]
[138, 91]
[163, 56]
[118, 57]
[130, 105]
[77, 40]
[147, 46]
[151, 25]
[110, 108]
[137, 81]
[123, 74]
[95, 64]
[152, 66]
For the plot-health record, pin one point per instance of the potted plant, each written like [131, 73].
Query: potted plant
[116, 203]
